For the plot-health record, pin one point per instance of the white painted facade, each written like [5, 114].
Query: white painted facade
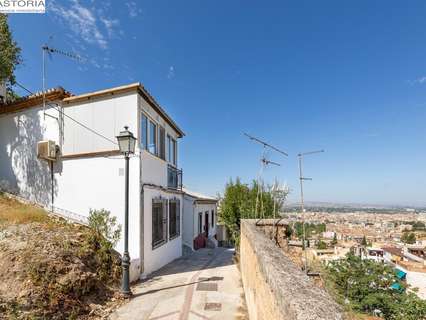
[200, 213]
[89, 174]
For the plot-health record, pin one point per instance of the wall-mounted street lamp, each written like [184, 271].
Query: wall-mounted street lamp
[126, 143]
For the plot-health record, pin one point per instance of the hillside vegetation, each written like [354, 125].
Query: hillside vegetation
[51, 269]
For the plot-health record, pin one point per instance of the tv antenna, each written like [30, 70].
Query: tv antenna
[264, 162]
[302, 205]
[48, 50]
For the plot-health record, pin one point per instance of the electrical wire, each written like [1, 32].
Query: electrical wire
[69, 117]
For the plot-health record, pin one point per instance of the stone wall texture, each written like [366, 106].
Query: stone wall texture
[275, 288]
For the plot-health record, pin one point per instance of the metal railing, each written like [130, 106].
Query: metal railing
[174, 178]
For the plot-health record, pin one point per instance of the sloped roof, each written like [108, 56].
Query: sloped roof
[394, 250]
[198, 196]
[32, 100]
[66, 97]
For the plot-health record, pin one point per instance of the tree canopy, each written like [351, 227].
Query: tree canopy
[239, 201]
[10, 53]
[369, 287]
[409, 238]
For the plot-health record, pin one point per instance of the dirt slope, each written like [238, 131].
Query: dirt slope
[50, 269]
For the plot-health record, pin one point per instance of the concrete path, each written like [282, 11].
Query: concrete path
[204, 285]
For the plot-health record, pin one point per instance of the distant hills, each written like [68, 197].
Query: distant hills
[337, 205]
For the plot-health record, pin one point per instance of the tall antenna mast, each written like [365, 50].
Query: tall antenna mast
[264, 162]
[49, 50]
[302, 205]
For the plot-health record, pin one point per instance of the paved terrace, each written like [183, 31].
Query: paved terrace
[204, 285]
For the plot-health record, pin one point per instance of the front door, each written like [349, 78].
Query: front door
[206, 223]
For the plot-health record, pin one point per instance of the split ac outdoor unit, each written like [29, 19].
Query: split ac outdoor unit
[46, 150]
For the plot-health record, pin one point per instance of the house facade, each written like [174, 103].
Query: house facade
[199, 220]
[88, 170]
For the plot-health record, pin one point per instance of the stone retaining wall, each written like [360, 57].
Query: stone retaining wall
[275, 288]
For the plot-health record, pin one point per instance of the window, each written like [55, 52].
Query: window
[174, 218]
[171, 150]
[152, 146]
[200, 223]
[212, 218]
[159, 222]
[144, 132]
[162, 143]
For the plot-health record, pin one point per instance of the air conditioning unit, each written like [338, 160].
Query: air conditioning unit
[46, 150]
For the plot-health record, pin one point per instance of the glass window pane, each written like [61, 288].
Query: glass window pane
[172, 219]
[144, 132]
[152, 146]
[157, 223]
[162, 143]
[169, 149]
[174, 152]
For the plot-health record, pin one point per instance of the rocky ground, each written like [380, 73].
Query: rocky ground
[51, 269]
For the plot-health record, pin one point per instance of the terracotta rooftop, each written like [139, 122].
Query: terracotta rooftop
[25, 102]
[394, 250]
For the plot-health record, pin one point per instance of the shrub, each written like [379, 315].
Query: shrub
[104, 235]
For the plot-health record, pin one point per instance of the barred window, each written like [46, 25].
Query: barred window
[174, 218]
[159, 222]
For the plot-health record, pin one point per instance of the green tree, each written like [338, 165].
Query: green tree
[418, 225]
[321, 245]
[10, 54]
[334, 241]
[288, 232]
[409, 238]
[239, 201]
[366, 284]
[364, 241]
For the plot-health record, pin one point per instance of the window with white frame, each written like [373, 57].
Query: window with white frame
[159, 222]
[171, 150]
[144, 132]
[174, 218]
[152, 145]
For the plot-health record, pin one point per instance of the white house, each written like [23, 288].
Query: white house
[199, 220]
[88, 172]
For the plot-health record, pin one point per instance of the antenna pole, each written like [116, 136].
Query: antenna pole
[264, 162]
[302, 207]
[302, 204]
[44, 48]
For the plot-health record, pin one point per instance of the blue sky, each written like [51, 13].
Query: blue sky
[345, 76]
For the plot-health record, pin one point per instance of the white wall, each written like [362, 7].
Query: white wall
[154, 169]
[98, 183]
[106, 115]
[20, 170]
[203, 207]
[417, 280]
[171, 250]
[188, 221]
[84, 183]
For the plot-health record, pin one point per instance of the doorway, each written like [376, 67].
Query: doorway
[206, 223]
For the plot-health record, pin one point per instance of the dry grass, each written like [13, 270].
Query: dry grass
[15, 212]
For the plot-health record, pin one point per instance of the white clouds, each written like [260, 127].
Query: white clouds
[84, 23]
[420, 80]
[133, 9]
[171, 73]
[110, 25]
